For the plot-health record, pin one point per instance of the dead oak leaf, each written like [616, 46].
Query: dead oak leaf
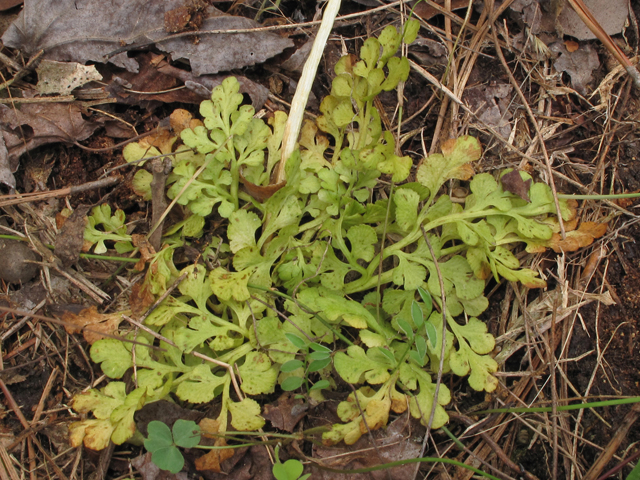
[147, 252]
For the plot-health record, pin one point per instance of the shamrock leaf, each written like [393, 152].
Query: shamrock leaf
[162, 443]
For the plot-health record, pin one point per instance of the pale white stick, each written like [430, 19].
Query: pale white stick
[299, 103]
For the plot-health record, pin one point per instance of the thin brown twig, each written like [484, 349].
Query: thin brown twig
[17, 198]
[534, 122]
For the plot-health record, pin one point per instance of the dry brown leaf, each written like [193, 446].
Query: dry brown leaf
[259, 192]
[146, 250]
[33, 125]
[610, 15]
[286, 412]
[491, 102]
[577, 239]
[63, 77]
[150, 471]
[181, 119]
[212, 460]
[140, 299]
[512, 182]
[626, 202]
[98, 322]
[427, 12]
[579, 64]
[7, 4]
[70, 240]
[396, 442]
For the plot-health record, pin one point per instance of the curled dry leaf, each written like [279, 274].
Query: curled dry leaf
[140, 299]
[259, 192]
[70, 241]
[579, 64]
[146, 250]
[582, 237]
[98, 322]
[33, 125]
[212, 460]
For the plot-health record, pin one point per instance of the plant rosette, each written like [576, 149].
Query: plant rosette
[361, 294]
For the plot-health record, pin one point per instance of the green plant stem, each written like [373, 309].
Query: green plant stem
[561, 408]
[408, 461]
[309, 310]
[598, 197]
[82, 255]
[453, 438]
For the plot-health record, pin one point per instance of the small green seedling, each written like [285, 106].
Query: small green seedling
[289, 470]
[163, 443]
[315, 361]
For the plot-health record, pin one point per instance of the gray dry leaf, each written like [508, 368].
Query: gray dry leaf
[31, 125]
[540, 17]
[89, 30]
[491, 104]
[63, 77]
[70, 239]
[610, 14]
[579, 64]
